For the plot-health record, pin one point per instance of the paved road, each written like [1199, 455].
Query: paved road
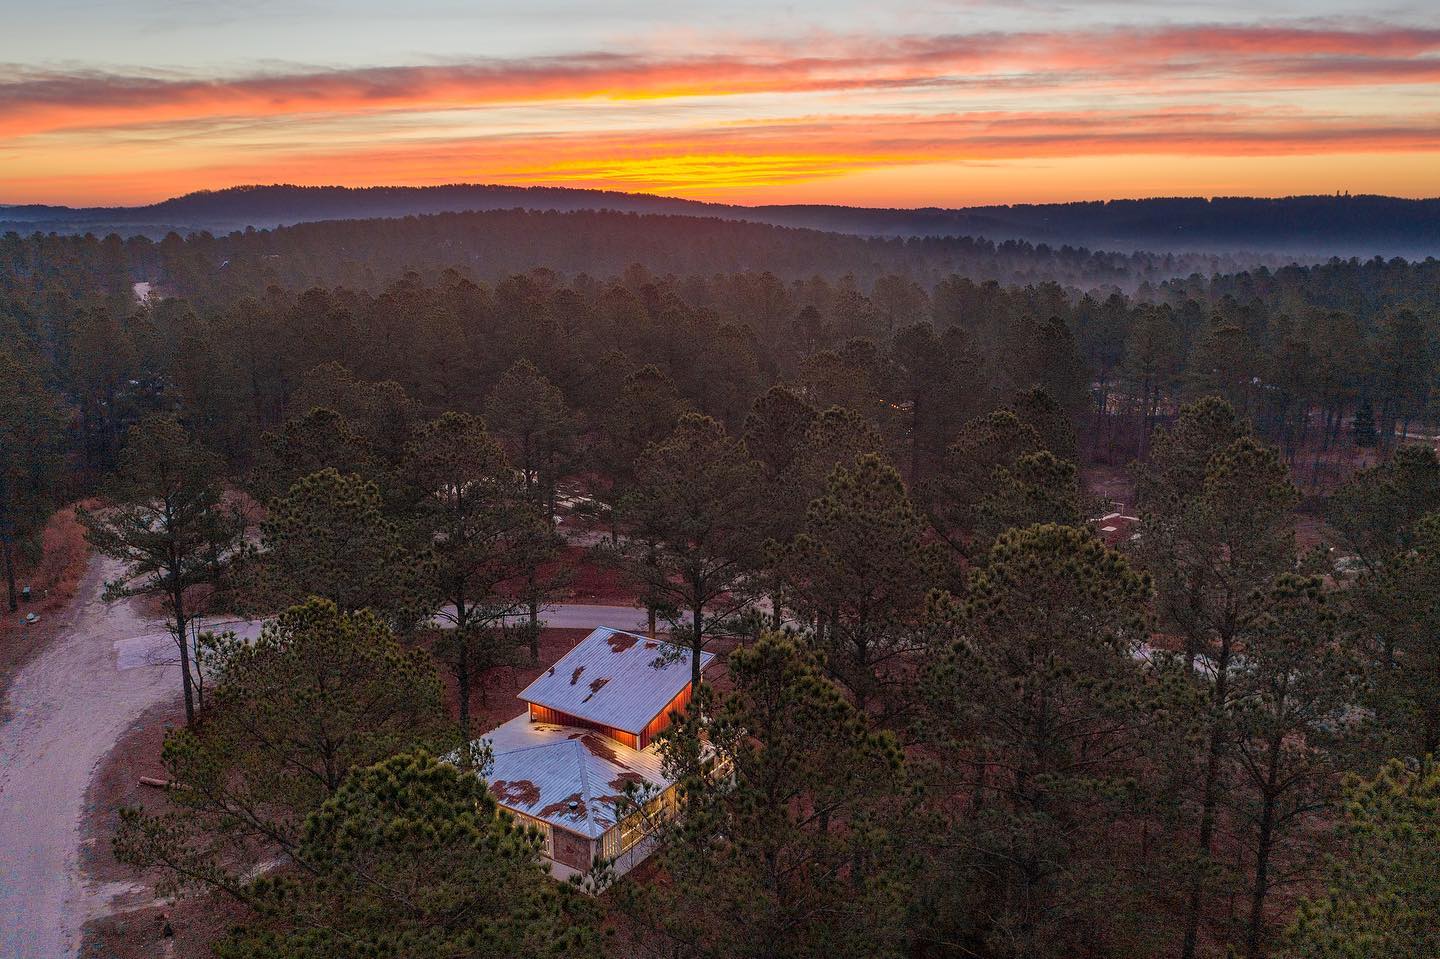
[105, 666]
[154, 646]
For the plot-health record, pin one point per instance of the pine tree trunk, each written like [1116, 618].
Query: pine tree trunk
[1262, 859]
[1207, 812]
[698, 640]
[915, 441]
[177, 599]
[8, 548]
[462, 680]
[534, 604]
[697, 635]
[462, 662]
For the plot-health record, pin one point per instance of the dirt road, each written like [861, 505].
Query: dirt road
[155, 646]
[67, 706]
[103, 668]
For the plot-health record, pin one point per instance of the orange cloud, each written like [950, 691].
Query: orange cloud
[730, 122]
[724, 158]
[1223, 58]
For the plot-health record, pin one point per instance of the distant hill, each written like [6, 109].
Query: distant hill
[1310, 225]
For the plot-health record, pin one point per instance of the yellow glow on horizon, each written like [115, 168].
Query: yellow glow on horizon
[694, 175]
[797, 178]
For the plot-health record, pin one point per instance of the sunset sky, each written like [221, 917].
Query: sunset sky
[938, 102]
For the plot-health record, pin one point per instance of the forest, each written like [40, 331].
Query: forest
[957, 716]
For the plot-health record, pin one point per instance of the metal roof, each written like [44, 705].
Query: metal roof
[612, 678]
[571, 778]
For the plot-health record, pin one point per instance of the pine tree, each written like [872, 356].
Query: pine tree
[973, 472]
[1295, 734]
[1175, 470]
[380, 414]
[411, 857]
[1217, 526]
[1383, 894]
[319, 693]
[31, 441]
[859, 571]
[1043, 715]
[1366, 438]
[1038, 488]
[835, 437]
[776, 428]
[1376, 510]
[1037, 409]
[483, 532]
[328, 536]
[693, 524]
[527, 413]
[1396, 619]
[170, 529]
[319, 439]
[643, 412]
[787, 845]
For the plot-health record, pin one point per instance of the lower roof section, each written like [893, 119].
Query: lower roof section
[571, 778]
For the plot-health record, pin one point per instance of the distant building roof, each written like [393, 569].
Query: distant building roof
[568, 777]
[611, 678]
[1116, 528]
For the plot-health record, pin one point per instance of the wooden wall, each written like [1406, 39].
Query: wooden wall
[661, 722]
[544, 714]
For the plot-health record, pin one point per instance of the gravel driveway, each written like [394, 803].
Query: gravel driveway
[67, 707]
[105, 665]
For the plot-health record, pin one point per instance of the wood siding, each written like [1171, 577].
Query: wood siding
[544, 714]
[662, 722]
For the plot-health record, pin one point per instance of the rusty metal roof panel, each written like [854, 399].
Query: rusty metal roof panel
[616, 679]
[570, 778]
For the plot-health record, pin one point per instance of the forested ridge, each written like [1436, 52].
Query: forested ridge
[955, 719]
[1295, 225]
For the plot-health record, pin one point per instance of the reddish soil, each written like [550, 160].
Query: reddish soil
[117, 785]
[495, 702]
[1111, 483]
[587, 581]
[52, 580]
[134, 930]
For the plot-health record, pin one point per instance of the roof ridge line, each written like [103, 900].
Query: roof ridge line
[587, 797]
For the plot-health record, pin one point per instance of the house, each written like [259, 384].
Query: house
[587, 734]
[1117, 528]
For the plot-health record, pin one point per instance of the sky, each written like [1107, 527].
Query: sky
[923, 103]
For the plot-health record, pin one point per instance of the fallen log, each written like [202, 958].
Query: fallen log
[157, 783]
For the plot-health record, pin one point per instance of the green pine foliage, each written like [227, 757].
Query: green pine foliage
[329, 536]
[319, 693]
[1382, 897]
[30, 457]
[411, 857]
[788, 846]
[1042, 720]
[694, 515]
[859, 571]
